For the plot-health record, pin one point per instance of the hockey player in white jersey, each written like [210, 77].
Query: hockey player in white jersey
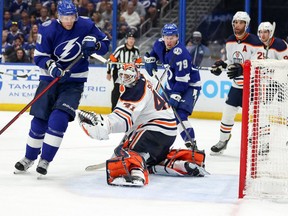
[240, 46]
[150, 130]
[273, 48]
[60, 43]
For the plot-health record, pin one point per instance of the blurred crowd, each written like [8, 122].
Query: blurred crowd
[21, 20]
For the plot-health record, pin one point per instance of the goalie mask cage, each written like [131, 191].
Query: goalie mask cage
[264, 139]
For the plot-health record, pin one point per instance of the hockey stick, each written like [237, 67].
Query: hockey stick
[174, 110]
[95, 166]
[40, 95]
[99, 58]
[205, 68]
[14, 75]
[103, 164]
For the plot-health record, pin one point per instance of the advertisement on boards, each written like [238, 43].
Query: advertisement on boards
[97, 91]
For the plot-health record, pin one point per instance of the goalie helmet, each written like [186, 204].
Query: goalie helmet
[170, 29]
[128, 75]
[266, 26]
[66, 8]
[243, 16]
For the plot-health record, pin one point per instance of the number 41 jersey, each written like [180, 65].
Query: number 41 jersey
[141, 108]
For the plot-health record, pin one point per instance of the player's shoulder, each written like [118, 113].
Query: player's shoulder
[231, 38]
[279, 44]
[84, 19]
[180, 52]
[135, 93]
[253, 40]
[50, 24]
[159, 43]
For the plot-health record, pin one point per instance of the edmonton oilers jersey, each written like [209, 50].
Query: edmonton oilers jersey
[63, 46]
[277, 49]
[238, 51]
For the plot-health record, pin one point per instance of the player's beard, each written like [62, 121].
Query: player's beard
[239, 32]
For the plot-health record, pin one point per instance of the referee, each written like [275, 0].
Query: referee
[125, 53]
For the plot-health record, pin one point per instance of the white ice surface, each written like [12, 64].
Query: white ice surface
[68, 190]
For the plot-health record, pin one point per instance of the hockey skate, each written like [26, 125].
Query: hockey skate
[42, 167]
[23, 165]
[219, 148]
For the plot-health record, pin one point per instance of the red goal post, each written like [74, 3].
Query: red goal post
[264, 138]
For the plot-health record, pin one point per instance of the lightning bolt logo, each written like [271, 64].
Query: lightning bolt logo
[68, 48]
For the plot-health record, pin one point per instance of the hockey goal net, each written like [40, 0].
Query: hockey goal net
[264, 141]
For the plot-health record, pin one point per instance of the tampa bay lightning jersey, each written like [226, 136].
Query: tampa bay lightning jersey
[181, 73]
[63, 46]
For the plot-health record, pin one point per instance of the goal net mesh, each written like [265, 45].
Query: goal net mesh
[266, 136]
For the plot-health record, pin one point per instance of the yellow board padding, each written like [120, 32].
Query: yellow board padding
[107, 110]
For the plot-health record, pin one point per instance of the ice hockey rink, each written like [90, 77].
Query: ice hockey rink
[69, 190]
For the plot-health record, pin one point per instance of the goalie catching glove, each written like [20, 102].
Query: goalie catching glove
[234, 70]
[94, 125]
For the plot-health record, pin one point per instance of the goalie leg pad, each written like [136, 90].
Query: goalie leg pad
[130, 170]
[196, 156]
[186, 162]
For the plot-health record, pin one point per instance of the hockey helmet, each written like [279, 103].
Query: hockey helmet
[128, 74]
[67, 8]
[170, 29]
[266, 26]
[243, 16]
[130, 34]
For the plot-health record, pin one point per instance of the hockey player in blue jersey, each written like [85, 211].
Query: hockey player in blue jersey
[59, 43]
[183, 84]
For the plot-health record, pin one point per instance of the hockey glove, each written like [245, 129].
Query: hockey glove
[94, 125]
[174, 100]
[54, 69]
[234, 70]
[150, 64]
[217, 67]
[89, 46]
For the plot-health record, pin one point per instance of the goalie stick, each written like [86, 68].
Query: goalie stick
[14, 75]
[95, 166]
[103, 164]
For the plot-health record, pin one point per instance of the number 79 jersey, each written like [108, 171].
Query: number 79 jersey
[181, 73]
[141, 108]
